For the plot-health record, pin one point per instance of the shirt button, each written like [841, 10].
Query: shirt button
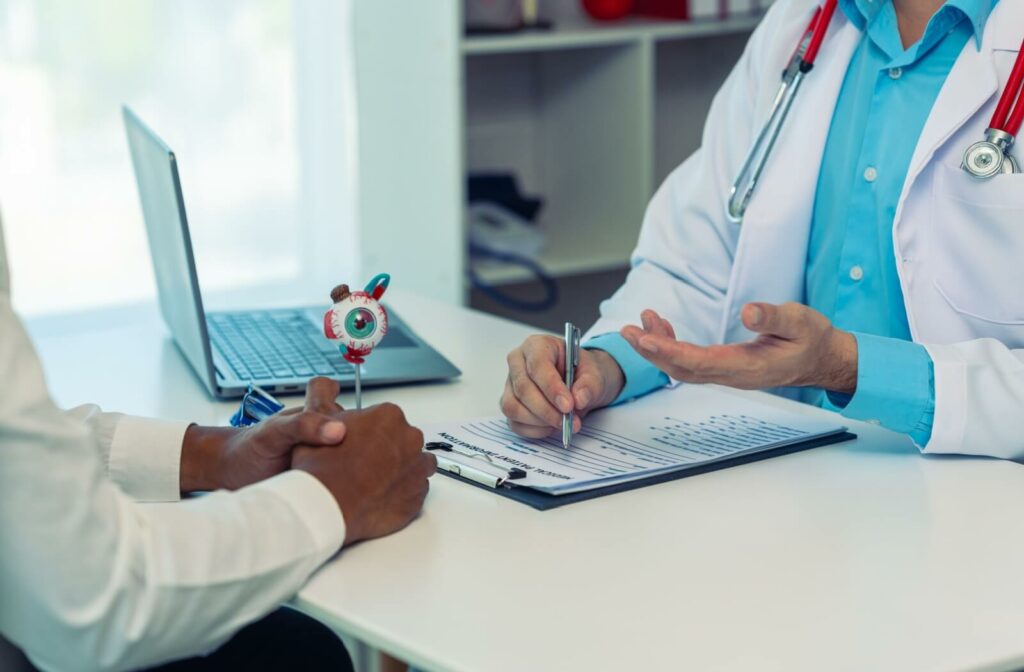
[856, 273]
[871, 174]
[895, 73]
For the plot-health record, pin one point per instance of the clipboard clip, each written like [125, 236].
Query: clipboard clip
[476, 474]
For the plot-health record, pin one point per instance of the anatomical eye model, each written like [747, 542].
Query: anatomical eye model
[357, 322]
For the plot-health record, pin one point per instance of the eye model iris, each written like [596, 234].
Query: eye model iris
[360, 323]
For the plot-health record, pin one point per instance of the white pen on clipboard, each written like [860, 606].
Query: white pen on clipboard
[484, 471]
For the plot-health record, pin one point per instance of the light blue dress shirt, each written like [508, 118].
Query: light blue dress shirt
[884, 102]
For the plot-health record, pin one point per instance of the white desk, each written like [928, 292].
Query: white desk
[863, 556]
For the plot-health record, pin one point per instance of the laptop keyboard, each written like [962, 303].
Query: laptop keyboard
[273, 345]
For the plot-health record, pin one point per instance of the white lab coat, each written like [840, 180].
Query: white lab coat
[959, 244]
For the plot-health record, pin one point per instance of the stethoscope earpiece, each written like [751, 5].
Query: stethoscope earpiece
[800, 63]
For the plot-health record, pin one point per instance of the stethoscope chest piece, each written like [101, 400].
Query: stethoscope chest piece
[990, 157]
[984, 160]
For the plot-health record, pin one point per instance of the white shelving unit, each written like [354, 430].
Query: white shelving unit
[581, 33]
[589, 116]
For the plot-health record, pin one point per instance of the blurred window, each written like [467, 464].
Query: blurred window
[221, 83]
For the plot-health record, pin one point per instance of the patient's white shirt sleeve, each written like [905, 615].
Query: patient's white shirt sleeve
[90, 578]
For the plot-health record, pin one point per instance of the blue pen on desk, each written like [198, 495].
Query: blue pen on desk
[572, 360]
[257, 405]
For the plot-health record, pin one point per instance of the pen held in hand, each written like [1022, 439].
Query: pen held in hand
[572, 360]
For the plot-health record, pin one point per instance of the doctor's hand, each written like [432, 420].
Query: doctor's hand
[229, 458]
[535, 396]
[378, 475]
[795, 346]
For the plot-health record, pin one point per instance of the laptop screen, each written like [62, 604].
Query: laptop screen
[170, 245]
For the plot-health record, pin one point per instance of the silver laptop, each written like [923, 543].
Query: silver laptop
[279, 350]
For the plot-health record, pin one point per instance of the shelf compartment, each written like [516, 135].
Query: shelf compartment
[575, 128]
[581, 33]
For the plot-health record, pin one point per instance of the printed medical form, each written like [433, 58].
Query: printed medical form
[671, 430]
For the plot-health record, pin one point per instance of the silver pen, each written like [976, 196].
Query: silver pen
[572, 360]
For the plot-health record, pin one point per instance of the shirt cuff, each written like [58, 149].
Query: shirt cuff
[314, 505]
[145, 458]
[641, 376]
[895, 387]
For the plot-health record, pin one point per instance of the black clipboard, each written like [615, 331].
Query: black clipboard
[543, 501]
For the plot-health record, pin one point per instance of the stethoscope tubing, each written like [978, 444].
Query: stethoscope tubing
[990, 157]
[1009, 114]
[994, 150]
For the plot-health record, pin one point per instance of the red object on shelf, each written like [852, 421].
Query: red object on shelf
[664, 9]
[608, 10]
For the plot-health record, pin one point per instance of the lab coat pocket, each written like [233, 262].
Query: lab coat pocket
[977, 240]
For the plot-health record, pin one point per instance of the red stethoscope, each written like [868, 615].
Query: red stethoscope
[982, 160]
[991, 156]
